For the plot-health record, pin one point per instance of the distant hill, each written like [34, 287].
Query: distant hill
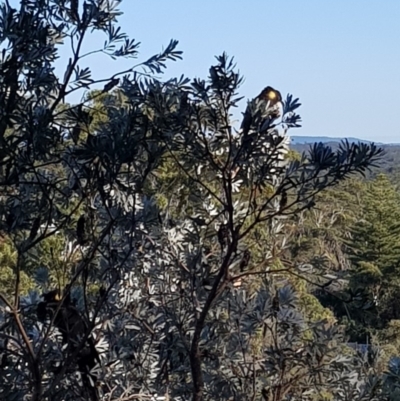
[301, 140]
[389, 164]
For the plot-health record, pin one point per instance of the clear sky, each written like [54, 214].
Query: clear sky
[340, 57]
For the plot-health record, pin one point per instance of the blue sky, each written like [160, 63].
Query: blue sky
[341, 58]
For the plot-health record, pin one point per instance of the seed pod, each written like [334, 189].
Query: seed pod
[81, 231]
[245, 260]
[223, 235]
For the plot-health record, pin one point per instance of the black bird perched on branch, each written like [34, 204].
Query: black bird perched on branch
[272, 99]
[271, 96]
[73, 328]
[110, 85]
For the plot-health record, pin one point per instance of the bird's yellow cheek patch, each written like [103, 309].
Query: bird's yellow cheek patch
[272, 95]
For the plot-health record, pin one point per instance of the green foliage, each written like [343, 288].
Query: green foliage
[8, 263]
[376, 236]
[364, 239]
[374, 250]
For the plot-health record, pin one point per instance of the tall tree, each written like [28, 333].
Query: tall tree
[374, 250]
[376, 234]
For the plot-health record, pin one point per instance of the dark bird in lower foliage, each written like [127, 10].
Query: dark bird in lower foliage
[52, 296]
[73, 327]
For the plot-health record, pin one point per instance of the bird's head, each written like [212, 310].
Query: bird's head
[270, 94]
[52, 296]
